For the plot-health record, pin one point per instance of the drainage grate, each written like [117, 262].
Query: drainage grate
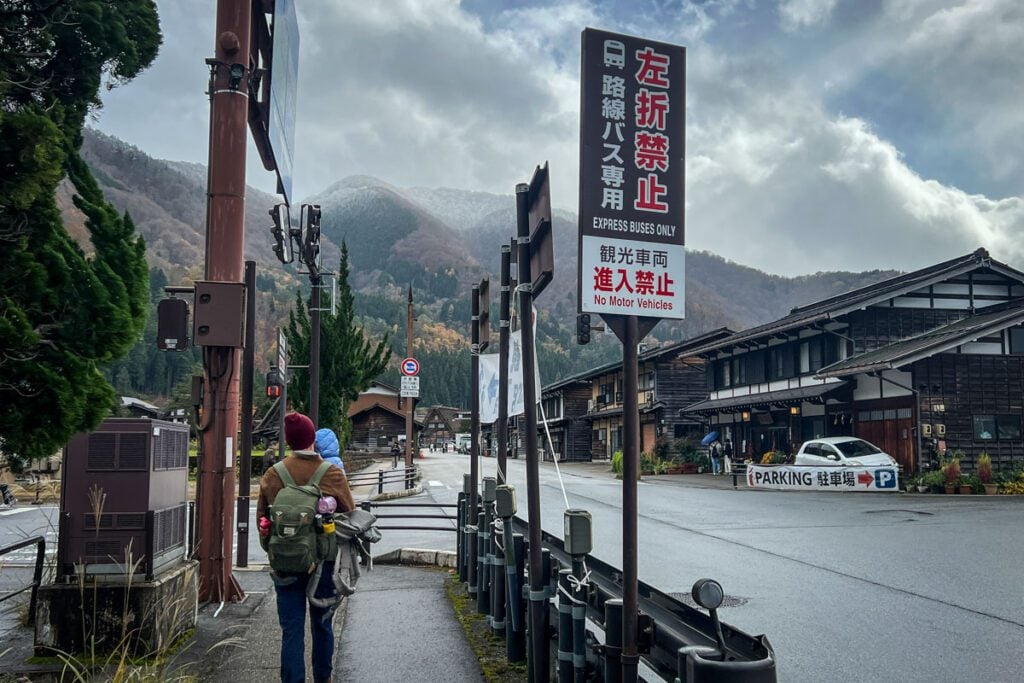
[728, 601]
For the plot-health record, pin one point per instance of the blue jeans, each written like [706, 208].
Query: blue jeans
[291, 614]
[716, 465]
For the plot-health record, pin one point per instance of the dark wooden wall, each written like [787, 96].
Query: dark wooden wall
[967, 385]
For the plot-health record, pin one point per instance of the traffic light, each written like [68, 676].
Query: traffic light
[583, 328]
[311, 246]
[273, 383]
[281, 231]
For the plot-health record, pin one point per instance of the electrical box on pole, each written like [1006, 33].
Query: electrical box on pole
[220, 314]
[172, 325]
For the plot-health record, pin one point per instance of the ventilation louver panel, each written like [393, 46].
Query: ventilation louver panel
[102, 451]
[132, 451]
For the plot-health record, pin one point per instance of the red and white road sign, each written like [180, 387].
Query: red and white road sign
[410, 367]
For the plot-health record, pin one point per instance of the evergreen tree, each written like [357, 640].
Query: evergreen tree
[349, 360]
[64, 314]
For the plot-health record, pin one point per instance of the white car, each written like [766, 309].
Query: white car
[842, 451]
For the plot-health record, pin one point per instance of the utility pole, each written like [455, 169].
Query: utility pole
[225, 237]
[410, 401]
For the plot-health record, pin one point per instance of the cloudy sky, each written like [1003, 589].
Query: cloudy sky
[821, 134]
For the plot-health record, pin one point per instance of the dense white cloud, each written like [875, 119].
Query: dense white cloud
[796, 14]
[430, 94]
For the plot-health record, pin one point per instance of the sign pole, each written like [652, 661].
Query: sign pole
[245, 456]
[474, 404]
[632, 231]
[503, 332]
[410, 401]
[282, 369]
[630, 472]
[314, 350]
[538, 649]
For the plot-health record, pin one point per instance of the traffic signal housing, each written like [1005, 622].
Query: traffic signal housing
[274, 383]
[281, 232]
[583, 328]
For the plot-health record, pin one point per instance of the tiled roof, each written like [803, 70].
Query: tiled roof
[989, 320]
[866, 296]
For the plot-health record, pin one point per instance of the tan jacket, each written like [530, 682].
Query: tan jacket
[301, 465]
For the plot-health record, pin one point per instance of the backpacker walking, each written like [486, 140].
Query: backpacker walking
[299, 540]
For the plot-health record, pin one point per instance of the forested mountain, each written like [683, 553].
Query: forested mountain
[440, 241]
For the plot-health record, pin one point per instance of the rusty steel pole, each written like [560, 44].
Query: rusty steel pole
[410, 403]
[316, 281]
[225, 234]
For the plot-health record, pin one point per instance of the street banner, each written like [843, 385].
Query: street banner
[489, 369]
[794, 478]
[516, 390]
[631, 253]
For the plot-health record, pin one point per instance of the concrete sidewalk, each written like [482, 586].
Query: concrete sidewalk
[399, 625]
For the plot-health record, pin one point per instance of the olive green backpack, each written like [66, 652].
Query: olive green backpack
[297, 545]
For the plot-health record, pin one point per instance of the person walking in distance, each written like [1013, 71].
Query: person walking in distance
[716, 457]
[727, 457]
[298, 543]
[395, 452]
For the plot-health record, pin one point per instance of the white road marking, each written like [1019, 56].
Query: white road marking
[434, 483]
[8, 513]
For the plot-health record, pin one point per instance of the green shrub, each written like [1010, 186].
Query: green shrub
[617, 462]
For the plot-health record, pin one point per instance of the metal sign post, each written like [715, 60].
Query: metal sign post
[282, 370]
[631, 248]
[533, 223]
[503, 330]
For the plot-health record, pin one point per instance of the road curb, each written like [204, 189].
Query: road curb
[418, 557]
[392, 495]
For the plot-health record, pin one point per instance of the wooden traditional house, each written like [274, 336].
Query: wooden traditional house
[563, 405]
[670, 378]
[441, 424]
[378, 418]
[925, 363]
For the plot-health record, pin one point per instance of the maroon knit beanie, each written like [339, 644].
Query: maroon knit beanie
[299, 432]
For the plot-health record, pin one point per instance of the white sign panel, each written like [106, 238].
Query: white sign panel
[489, 382]
[629, 277]
[793, 478]
[410, 387]
[516, 390]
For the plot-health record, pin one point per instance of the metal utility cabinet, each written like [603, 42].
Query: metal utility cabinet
[124, 497]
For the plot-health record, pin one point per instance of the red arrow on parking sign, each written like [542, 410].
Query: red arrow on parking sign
[865, 478]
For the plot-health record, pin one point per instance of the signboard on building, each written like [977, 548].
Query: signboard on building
[633, 102]
[284, 80]
[793, 478]
[410, 387]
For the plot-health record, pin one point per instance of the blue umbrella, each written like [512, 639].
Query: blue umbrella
[710, 438]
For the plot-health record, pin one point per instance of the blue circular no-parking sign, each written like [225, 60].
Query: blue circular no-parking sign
[410, 367]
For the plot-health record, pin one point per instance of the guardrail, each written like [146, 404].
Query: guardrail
[675, 640]
[37, 576]
[382, 476]
[370, 505]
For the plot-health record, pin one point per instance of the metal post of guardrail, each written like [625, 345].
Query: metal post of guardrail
[579, 622]
[498, 585]
[515, 637]
[471, 540]
[487, 546]
[540, 618]
[380, 481]
[565, 628]
[483, 597]
[460, 538]
[613, 640]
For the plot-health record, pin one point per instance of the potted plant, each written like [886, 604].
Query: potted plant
[985, 474]
[932, 481]
[966, 485]
[951, 474]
